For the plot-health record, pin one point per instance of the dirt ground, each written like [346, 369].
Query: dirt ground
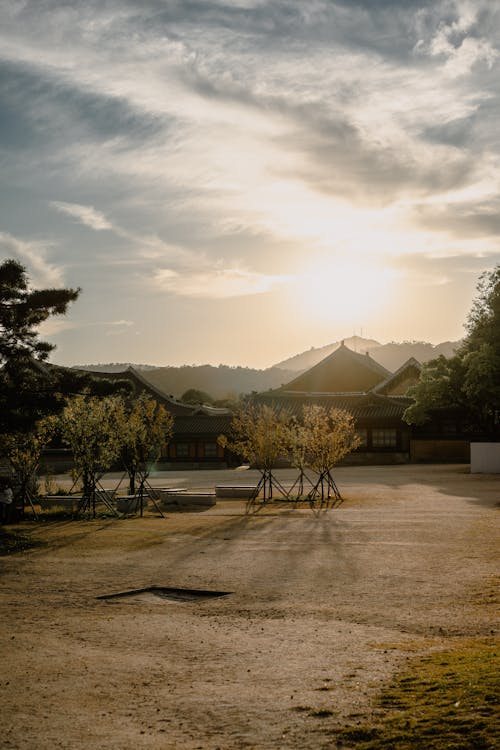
[324, 609]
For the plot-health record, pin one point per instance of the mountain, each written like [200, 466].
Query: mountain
[391, 356]
[220, 382]
[113, 367]
[311, 357]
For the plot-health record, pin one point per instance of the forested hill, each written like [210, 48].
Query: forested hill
[220, 382]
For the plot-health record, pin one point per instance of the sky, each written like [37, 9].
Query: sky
[238, 181]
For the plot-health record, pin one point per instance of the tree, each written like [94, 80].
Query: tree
[260, 435]
[468, 382]
[297, 451]
[24, 451]
[22, 310]
[91, 427]
[28, 389]
[146, 427]
[329, 436]
[31, 388]
[194, 396]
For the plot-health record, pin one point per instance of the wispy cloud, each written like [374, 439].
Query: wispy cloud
[86, 215]
[34, 256]
[119, 327]
[220, 283]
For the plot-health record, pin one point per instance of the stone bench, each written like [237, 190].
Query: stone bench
[171, 500]
[236, 492]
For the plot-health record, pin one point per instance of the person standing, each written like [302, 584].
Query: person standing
[6, 500]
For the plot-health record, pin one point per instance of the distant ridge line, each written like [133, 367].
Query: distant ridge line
[225, 381]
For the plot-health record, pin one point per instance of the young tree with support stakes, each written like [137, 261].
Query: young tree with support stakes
[92, 428]
[330, 435]
[23, 451]
[297, 451]
[260, 435]
[146, 428]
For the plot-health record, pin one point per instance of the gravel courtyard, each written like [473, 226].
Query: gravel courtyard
[323, 609]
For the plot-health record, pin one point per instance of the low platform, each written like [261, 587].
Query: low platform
[235, 492]
[172, 500]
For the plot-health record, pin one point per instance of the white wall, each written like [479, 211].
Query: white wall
[485, 458]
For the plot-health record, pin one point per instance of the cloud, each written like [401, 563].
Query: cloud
[460, 49]
[441, 270]
[214, 146]
[119, 327]
[86, 215]
[221, 283]
[32, 254]
[466, 220]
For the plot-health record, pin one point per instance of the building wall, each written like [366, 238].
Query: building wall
[440, 451]
[485, 458]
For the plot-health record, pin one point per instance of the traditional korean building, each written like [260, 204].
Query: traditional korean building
[376, 398]
[196, 427]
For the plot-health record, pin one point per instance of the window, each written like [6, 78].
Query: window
[384, 438]
[210, 450]
[182, 450]
[362, 435]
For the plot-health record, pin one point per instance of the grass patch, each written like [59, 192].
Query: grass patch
[12, 542]
[446, 701]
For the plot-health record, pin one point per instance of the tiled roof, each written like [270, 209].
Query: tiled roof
[361, 406]
[142, 384]
[342, 371]
[212, 411]
[201, 424]
[412, 365]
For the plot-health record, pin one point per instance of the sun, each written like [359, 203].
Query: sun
[344, 291]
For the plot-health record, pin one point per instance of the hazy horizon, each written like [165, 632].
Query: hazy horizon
[237, 181]
[275, 363]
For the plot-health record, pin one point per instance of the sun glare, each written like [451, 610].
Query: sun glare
[345, 292]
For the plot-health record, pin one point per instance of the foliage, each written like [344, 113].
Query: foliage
[92, 429]
[470, 380]
[194, 396]
[145, 429]
[439, 387]
[259, 435]
[22, 310]
[28, 390]
[329, 435]
[24, 451]
[298, 444]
